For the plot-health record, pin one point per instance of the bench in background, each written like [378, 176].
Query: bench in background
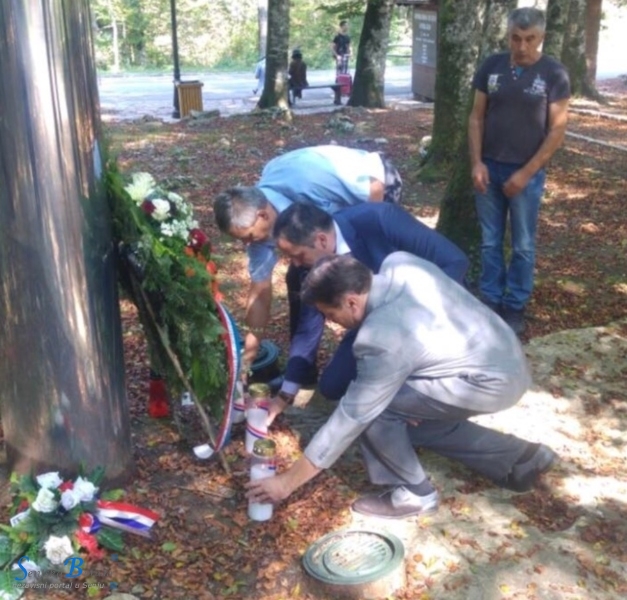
[336, 87]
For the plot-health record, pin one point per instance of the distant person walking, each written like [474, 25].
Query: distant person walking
[260, 73]
[342, 48]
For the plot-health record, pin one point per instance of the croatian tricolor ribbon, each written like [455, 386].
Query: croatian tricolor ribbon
[126, 517]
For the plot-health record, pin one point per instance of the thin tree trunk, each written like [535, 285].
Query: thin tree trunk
[275, 87]
[368, 88]
[594, 14]
[115, 41]
[262, 16]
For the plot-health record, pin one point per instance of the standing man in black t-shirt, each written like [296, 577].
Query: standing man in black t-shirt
[517, 123]
[342, 48]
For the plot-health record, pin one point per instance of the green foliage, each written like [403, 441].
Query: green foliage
[168, 277]
[221, 34]
[110, 539]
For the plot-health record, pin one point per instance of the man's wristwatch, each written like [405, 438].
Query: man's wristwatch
[287, 398]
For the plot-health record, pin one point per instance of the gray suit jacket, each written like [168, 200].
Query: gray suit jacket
[425, 330]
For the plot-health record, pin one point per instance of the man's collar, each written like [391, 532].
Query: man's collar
[341, 247]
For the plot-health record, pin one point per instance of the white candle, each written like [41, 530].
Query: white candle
[256, 426]
[239, 405]
[257, 511]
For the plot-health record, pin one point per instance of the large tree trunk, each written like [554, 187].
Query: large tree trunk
[458, 219]
[62, 392]
[459, 31]
[574, 51]
[368, 88]
[275, 87]
[557, 12]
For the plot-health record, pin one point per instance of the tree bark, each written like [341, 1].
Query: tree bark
[458, 218]
[459, 30]
[574, 51]
[594, 14]
[557, 12]
[368, 87]
[275, 86]
[61, 358]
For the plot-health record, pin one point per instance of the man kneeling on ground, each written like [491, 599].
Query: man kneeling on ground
[429, 356]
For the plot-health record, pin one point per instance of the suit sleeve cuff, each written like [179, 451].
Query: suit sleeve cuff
[290, 387]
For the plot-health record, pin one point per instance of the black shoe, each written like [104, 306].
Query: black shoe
[515, 318]
[524, 475]
[396, 503]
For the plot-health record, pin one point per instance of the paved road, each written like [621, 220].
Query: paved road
[133, 96]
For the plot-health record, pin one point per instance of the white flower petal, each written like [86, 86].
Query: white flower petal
[49, 480]
[45, 501]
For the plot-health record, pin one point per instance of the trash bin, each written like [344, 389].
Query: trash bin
[190, 96]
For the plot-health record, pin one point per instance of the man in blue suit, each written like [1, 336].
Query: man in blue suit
[370, 232]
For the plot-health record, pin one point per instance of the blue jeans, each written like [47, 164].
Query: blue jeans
[508, 286]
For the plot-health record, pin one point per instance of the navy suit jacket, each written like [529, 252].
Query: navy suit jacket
[373, 230]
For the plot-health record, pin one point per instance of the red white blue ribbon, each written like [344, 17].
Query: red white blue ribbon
[126, 517]
[233, 343]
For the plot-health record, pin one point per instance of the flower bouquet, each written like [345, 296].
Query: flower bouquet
[55, 519]
[171, 277]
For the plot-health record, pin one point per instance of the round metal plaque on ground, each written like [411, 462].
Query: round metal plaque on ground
[357, 564]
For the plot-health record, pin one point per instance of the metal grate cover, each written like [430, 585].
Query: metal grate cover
[353, 557]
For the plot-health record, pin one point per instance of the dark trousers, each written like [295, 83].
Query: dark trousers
[304, 319]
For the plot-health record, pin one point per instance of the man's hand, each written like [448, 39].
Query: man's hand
[272, 489]
[277, 406]
[480, 177]
[251, 348]
[516, 183]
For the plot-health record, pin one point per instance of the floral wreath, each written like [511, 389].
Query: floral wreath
[54, 519]
[172, 278]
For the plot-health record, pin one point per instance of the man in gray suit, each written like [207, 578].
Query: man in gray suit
[429, 356]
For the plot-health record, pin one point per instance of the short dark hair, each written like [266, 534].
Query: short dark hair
[526, 18]
[299, 222]
[332, 277]
[343, 22]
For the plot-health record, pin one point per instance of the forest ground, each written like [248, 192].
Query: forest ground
[567, 539]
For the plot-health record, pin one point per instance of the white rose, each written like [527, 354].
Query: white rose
[84, 490]
[161, 211]
[58, 549]
[45, 501]
[50, 480]
[69, 499]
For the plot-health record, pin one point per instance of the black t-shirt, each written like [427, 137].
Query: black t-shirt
[342, 42]
[516, 119]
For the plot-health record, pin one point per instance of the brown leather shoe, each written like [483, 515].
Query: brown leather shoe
[396, 503]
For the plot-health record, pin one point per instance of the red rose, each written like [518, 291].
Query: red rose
[66, 485]
[198, 239]
[148, 207]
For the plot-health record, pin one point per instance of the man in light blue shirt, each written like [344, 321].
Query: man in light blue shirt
[331, 177]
